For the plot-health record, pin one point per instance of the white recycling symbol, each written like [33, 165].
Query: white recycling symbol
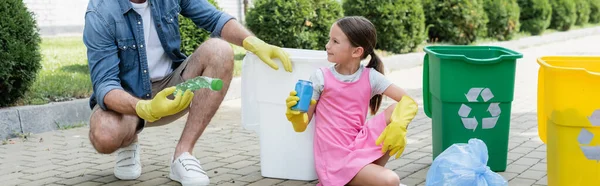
[591, 152]
[486, 122]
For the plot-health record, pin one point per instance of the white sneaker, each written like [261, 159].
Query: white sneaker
[128, 165]
[186, 170]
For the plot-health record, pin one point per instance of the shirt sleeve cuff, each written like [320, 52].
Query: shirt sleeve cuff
[105, 88]
[224, 18]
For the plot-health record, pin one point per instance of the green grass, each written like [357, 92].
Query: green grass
[65, 75]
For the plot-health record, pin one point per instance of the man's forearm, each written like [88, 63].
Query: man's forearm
[121, 102]
[234, 32]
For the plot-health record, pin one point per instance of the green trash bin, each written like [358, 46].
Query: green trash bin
[468, 92]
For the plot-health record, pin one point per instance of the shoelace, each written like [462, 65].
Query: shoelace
[125, 154]
[191, 164]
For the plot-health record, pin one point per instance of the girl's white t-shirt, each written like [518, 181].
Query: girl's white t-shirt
[378, 81]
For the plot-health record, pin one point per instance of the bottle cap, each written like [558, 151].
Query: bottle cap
[216, 84]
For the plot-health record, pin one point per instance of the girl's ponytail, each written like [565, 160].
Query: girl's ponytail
[375, 63]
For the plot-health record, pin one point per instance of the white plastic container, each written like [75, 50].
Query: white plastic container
[284, 153]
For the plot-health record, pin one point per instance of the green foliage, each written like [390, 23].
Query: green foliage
[594, 11]
[400, 24]
[327, 11]
[191, 35]
[503, 18]
[583, 11]
[19, 50]
[564, 14]
[285, 23]
[535, 15]
[455, 21]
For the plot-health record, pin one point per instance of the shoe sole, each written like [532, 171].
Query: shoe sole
[125, 175]
[189, 183]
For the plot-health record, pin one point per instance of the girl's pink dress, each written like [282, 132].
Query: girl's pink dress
[344, 141]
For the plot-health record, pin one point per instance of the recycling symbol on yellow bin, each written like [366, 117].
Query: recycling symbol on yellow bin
[486, 122]
[591, 152]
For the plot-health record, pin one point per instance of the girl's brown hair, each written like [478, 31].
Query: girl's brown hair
[362, 33]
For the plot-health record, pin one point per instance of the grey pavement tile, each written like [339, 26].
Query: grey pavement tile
[266, 182]
[44, 181]
[515, 155]
[542, 181]
[80, 166]
[412, 181]
[234, 159]
[252, 177]
[527, 161]
[240, 164]
[155, 181]
[107, 179]
[536, 154]
[402, 174]
[532, 174]
[42, 169]
[514, 168]
[218, 171]
[151, 175]
[225, 177]
[508, 175]
[413, 167]
[247, 170]
[11, 176]
[539, 167]
[15, 181]
[122, 183]
[521, 181]
[521, 150]
[89, 183]
[76, 180]
[291, 183]
[41, 175]
[233, 183]
[420, 174]
[416, 155]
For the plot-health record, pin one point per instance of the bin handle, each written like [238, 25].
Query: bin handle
[486, 61]
[426, 94]
[542, 120]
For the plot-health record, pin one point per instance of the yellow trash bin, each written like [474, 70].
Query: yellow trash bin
[569, 118]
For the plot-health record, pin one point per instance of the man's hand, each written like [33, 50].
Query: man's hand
[394, 135]
[298, 119]
[161, 106]
[266, 51]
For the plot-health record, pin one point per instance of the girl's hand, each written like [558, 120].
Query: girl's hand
[298, 119]
[394, 135]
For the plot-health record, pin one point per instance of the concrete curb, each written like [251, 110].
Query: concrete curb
[43, 118]
[404, 61]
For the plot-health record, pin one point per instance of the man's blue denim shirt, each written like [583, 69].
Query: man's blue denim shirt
[114, 37]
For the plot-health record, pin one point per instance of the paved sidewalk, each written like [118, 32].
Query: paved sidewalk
[231, 154]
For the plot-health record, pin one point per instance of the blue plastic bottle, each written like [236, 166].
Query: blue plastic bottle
[304, 90]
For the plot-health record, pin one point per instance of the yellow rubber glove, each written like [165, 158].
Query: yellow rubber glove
[394, 135]
[266, 51]
[299, 119]
[161, 106]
